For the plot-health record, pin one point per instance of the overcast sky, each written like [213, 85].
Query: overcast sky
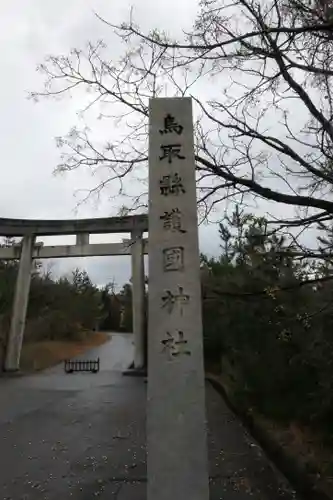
[30, 30]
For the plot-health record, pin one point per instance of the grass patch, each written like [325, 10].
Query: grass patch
[40, 355]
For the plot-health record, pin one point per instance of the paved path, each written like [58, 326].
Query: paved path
[82, 436]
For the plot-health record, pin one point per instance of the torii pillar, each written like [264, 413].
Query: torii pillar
[21, 298]
[138, 299]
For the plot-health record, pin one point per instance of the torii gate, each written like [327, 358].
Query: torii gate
[28, 250]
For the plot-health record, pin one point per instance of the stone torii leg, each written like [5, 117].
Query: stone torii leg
[20, 305]
[138, 299]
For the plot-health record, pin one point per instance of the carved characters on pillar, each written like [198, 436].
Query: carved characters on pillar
[173, 259]
[170, 300]
[175, 345]
[170, 125]
[172, 221]
[171, 151]
[171, 184]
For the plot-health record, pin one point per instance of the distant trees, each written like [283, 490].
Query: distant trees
[110, 309]
[117, 308]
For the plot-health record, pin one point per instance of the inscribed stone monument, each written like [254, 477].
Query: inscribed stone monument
[176, 424]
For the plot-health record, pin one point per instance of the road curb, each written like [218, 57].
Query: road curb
[287, 464]
[135, 372]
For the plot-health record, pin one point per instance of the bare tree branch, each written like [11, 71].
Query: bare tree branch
[260, 74]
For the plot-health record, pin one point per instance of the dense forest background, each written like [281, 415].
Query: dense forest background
[268, 321]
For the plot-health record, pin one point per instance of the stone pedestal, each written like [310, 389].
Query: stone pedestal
[21, 297]
[138, 298]
[176, 422]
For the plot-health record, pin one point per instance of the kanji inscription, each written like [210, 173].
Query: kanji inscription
[170, 125]
[170, 300]
[171, 184]
[172, 221]
[175, 345]
[171, 151]
[173, 259]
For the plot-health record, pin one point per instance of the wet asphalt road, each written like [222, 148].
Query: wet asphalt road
[82, 436]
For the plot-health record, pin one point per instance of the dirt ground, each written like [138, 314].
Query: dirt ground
[44, 354]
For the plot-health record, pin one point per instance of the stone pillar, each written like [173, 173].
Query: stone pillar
[138, 299]
[176, 421]
[21, 297]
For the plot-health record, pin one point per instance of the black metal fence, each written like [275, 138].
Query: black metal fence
[72, 366]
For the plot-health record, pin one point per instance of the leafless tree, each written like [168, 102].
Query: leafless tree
[259, 73]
